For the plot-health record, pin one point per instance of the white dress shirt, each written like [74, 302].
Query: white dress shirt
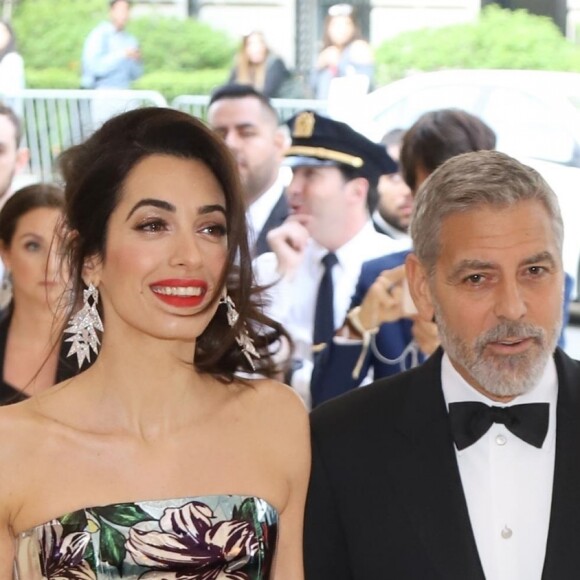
[292, 301]
[259, 211]
[507, 483]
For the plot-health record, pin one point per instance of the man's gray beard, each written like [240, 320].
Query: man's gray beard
[502, 375]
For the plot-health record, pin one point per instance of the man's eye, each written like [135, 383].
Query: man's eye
[475, 279]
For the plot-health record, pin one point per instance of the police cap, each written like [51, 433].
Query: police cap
[318, 140]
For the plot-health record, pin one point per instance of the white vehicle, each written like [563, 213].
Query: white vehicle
[535, 114]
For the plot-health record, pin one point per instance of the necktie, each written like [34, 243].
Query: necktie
[471, 420]
[324, 313]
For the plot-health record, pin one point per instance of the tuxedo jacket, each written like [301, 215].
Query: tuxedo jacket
[276, 218]
[333, 367]
[385, 498]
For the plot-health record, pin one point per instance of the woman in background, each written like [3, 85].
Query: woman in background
[161, 460]
[30, 360]
[11, 63]
[344, 52]
[258, 66]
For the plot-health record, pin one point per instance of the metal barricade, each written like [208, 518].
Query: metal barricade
[55, 119]
[196, 105]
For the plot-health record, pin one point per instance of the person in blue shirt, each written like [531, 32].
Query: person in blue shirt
[111, 57]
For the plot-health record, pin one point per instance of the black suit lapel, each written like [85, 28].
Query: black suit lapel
[428, 480]
[275, 219]
[563, 548]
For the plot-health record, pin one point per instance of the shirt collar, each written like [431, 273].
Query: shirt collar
[389, 229]
[259, 210]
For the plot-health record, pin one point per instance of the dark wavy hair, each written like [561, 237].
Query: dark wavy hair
[95, 173]
[438, 136]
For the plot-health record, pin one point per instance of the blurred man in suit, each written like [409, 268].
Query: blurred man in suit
[248, 124]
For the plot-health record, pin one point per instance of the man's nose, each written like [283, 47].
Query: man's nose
[509, 300]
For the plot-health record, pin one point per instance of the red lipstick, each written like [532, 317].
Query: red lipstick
[179, 292]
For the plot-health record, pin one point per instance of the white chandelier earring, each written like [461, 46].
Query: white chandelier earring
[83, 326]
[243, 339]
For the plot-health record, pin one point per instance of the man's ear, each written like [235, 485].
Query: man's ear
[419, 287]
[22, 157]
[281, 141]
[359, 188]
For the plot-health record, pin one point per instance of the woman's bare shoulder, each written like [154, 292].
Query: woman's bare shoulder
[278, 397]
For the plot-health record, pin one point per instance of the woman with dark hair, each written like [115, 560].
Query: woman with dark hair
[160, 460]
[33, 283]
[11, 63]
[258, 66]
[344, 52]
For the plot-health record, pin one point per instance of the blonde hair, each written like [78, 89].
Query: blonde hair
[247, 72]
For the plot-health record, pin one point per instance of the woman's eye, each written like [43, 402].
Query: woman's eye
[32, 246]
[216, 230]
[155, 225]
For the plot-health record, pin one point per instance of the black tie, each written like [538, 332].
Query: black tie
[471, 420]
[324, 313]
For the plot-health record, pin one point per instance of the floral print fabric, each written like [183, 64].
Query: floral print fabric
[222, 537]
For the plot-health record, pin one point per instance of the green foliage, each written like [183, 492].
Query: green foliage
[180, 56]
[51, 34]
[173, 83]
[169, 44]
[500, 39]
[51, 78]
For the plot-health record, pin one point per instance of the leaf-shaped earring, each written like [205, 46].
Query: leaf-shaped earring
[83, 326]
[243, 339]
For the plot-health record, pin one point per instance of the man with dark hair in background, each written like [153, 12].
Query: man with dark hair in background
[395, 204]
[248, 123]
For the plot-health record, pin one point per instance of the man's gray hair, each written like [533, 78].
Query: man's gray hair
[472, 180]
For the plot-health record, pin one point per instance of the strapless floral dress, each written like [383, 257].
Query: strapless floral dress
[221, 537]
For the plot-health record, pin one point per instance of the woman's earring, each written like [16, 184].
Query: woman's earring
[243, 339]
[83, 326]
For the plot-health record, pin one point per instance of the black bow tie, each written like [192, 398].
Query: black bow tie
[471, 420]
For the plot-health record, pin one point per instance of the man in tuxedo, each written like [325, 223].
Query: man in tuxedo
[248, 123]
[468, 466]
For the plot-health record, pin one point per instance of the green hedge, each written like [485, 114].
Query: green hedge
[499, 39]
[180, 56]
[173, 83]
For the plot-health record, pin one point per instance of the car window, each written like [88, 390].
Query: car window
[527, 126]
